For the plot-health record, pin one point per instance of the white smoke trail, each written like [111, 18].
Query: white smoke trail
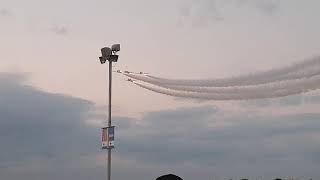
[305, 69]
[298, 75]
[294, 87]
[275, 86]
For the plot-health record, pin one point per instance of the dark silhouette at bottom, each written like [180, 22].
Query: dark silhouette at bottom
[169, 177]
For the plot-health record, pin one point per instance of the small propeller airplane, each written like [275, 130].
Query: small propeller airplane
[117, 71]
[142, 73]
[128, 72]
[130, 80]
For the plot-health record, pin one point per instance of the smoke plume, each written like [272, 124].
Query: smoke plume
[305, 69]
[295, 79]
[288, 88]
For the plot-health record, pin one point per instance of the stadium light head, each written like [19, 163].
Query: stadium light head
[109, 54]
[115, 47]
[113, 58]
[106, 52]
[102, 60]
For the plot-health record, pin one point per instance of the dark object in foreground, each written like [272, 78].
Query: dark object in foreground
[169, 177]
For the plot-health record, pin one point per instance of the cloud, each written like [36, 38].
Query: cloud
[199, 14]
[207, 137]
[59, 30]
[4, 12]
[205, 12]
[267, 7]
[37, 124]
[46, 136]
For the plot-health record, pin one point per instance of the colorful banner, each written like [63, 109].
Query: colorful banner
[108, 137]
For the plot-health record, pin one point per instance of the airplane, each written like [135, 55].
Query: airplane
[117, 71]
[130, 80]
[128, 72]
[142, 73]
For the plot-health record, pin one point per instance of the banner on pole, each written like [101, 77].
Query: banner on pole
[108, 137]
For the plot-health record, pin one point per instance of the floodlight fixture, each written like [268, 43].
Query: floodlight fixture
[113, 58]
[115, 47]
[102, 60]
[106, 52]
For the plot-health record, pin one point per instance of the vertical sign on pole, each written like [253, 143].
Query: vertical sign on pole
[108, 137]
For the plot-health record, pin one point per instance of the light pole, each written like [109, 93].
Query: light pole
[109, 54]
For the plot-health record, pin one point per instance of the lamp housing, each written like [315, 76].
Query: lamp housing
[115, 47]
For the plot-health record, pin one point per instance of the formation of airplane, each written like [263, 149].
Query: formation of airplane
[129, 72]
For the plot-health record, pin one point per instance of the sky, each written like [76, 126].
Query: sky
[53, 90]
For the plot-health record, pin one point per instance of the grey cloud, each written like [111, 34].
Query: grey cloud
[50, 129]
[185, 10]
[193, 135]
[198, 14]
[60, 30]
[204, 12]
[4, 12]
[160, 130]
[45, 135]
[268, 7]
[37, 124]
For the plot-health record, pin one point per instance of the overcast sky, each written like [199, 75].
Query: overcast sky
[53, 90]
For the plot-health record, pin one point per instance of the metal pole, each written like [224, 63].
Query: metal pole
[109, 117]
